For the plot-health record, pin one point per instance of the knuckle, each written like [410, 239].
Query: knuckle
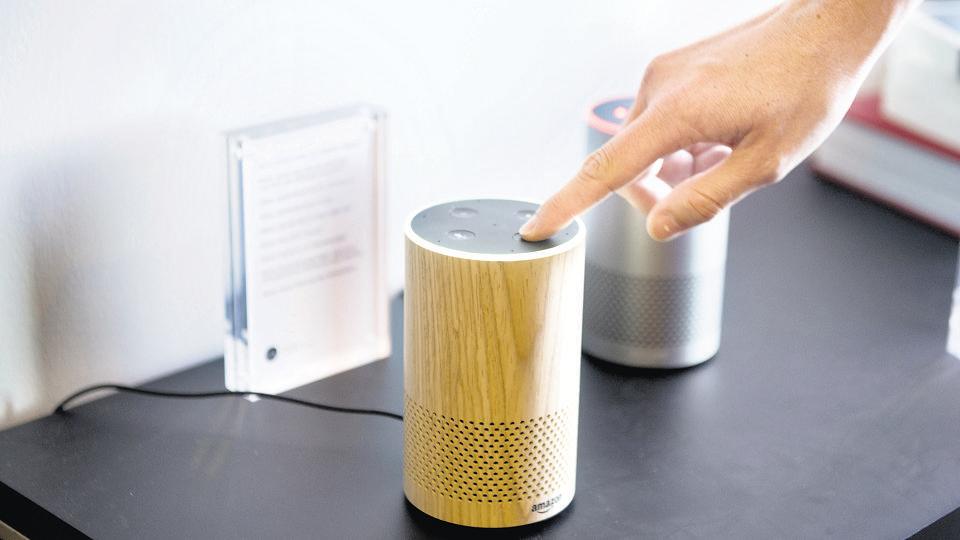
[640, 99]
[769, 170]
[760, 164]
[704, 204]
[655, 68]
[596, 166]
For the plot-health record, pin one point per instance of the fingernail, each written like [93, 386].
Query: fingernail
[529, 226]
[662, 227]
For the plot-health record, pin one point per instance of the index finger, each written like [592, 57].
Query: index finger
[609, 168]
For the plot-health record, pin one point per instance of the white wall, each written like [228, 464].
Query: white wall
[112, 167]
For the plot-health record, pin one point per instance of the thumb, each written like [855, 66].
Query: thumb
[703, 196]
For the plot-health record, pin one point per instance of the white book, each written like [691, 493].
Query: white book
[953, 338]
[921, 87]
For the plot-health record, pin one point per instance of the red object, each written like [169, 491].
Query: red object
[866, 111]
[606, 126]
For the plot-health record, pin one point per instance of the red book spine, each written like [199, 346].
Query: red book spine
[865, 110]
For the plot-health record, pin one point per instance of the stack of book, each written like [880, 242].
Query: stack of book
[896, 166]
[901, 145]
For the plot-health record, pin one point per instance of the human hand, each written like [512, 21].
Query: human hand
[722, 117]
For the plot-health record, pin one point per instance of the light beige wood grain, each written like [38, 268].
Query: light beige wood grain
[8, 533]
[491, 375]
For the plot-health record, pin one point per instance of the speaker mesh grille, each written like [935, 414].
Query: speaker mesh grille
[491, 462]
[650, 312]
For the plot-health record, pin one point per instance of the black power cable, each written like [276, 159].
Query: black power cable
[61, 408]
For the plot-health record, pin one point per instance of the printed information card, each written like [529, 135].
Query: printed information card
[306, 286]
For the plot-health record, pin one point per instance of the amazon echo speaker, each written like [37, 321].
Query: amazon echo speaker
[647, 303]
[491, 364]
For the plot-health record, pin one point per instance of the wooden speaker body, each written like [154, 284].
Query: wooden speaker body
[491, 365]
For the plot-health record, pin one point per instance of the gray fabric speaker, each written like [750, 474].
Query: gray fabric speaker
[647, 303]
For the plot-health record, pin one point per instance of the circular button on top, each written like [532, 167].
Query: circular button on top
[484, 226]
[462, 212]
[461, 234]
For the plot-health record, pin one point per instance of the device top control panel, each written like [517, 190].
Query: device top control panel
[484, 226]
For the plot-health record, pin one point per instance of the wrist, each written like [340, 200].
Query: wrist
[853, 33]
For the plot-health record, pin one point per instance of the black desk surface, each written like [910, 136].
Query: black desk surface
[831, 410]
